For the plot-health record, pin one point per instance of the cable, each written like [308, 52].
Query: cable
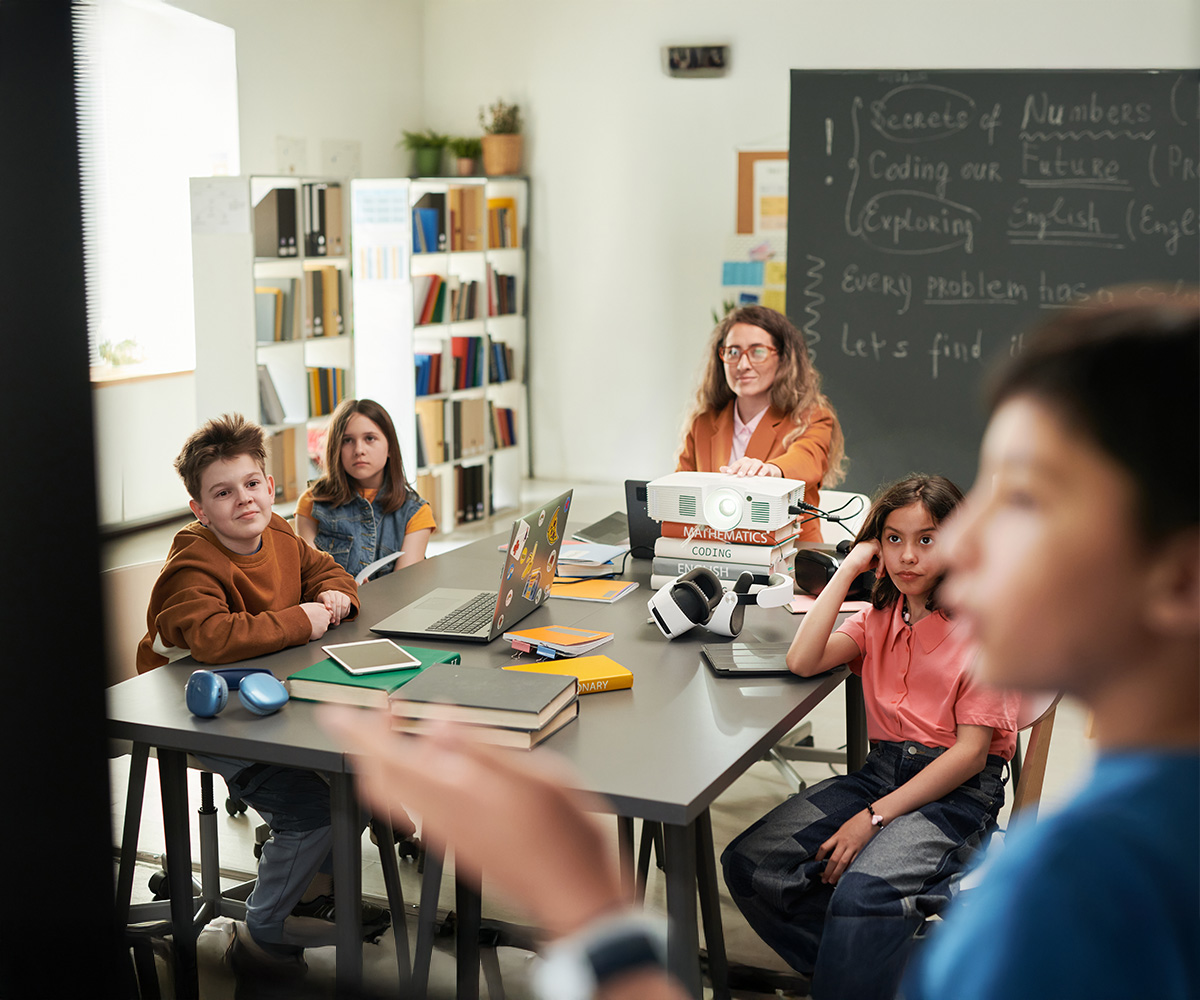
[830, 516]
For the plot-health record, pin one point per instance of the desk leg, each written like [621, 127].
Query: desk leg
[172, 776]
[710, 907]
[625, 853]
[431, 882]
[469, 905]
[856, 724]
[347, 881]
[683, 944]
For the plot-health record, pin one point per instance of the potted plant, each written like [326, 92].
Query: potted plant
[466, 151]
[502, 138]
[427, 149]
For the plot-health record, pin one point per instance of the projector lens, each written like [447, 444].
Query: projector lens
[727, 507]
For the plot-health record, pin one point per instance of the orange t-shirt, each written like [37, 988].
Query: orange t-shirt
[919, 682]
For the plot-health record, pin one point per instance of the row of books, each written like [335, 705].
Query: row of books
[275, 222]
[452, 299]
[452, 429]
[502, 223]
[466, 365]
[270, 405]
[323, 231]
[684, 547]
[471, 499]
[277, 306]
[281, 462]
[326, 388]
[430, 233]
[504, 425]
[518, 706]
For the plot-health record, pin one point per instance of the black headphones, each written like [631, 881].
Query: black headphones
[815, 568]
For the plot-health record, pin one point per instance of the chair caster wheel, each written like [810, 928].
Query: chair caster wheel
[409, 848]
[160, 886]
[234, 806]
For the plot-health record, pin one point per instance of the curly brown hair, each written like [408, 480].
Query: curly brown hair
[220, 439]
[795, 393]
[334, 486]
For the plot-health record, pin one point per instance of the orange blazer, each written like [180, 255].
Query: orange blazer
[710, 439]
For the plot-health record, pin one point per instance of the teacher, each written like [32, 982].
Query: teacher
[760, 410]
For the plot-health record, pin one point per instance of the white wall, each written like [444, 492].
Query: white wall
[312, 69]
[634, 173]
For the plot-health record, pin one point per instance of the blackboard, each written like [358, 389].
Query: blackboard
[934, 217]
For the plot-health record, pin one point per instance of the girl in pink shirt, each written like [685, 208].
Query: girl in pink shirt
[839, 879]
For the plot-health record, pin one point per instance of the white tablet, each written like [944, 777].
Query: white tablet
[371, 656]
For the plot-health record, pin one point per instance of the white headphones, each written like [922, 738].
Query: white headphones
[697, 598]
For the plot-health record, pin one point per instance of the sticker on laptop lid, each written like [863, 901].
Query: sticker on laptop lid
[514, 550]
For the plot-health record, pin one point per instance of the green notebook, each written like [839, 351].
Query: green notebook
[328, 681]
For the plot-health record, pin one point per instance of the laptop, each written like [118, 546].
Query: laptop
[643, 529]
[481, 616]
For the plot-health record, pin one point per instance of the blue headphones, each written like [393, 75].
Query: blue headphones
[207, 691]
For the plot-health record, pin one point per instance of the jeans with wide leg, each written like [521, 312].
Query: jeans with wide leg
[853, 939]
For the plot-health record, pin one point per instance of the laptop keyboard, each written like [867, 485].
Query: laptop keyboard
[469, 617]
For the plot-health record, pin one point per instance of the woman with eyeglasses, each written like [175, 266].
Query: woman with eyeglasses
[760, 410]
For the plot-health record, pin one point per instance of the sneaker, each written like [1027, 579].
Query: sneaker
[375, 919]
[251, 960]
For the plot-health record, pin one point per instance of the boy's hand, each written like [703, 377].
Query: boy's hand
[339, 605]
[318, 618]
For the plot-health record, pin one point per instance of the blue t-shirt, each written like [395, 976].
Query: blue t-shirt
[1100, 900]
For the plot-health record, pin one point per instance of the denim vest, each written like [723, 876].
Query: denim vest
[357, 533]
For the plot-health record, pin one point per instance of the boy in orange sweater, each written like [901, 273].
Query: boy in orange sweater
[239, 583]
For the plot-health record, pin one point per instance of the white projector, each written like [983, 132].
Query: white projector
[724, 502]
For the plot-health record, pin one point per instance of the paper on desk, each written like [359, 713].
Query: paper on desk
[802, 603]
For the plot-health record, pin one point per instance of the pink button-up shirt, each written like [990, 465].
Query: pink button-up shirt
[743, 432]
[918, 681]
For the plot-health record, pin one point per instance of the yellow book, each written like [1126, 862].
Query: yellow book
[595, 673]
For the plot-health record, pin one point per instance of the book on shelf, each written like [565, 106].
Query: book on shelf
[429, 488]
[671, 567]
[428, 373]
[503, 425]
[314, 303]
[484, 696]
[422, 452]
[502, 293]
[470, 504]
[595, 673]
[466, 219]
[284, 324]
[429, 223]
[312, 196]
[335, 239]
[275, 224]
[281, 459]
[737, 536]
[756, 555]
[268, 398]
[330, 279]
[500, 361]
[502, 736]
[502, 223]
[268, 314]
[557, 640]
[326, 388]
[433, 426]
[328, 681]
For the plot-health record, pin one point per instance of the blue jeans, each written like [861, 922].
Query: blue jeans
[853, 939]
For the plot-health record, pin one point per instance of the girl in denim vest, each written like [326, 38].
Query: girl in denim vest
[363, 509]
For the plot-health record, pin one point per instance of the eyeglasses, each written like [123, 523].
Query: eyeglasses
[756, 354]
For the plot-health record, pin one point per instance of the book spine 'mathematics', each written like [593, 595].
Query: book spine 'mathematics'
[738, 536]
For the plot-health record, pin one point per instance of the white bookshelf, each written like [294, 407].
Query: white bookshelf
[387, 277]
[225, 271]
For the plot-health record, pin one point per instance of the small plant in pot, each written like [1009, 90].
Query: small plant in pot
[502, 138]
[426, 147]
[466, 150]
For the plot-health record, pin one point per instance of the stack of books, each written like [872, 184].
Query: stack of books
[501, 707]
[684, 547]
[554, 641]
[328, 681]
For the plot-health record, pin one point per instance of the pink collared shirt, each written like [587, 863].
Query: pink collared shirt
[918, 681]
[743, 432]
